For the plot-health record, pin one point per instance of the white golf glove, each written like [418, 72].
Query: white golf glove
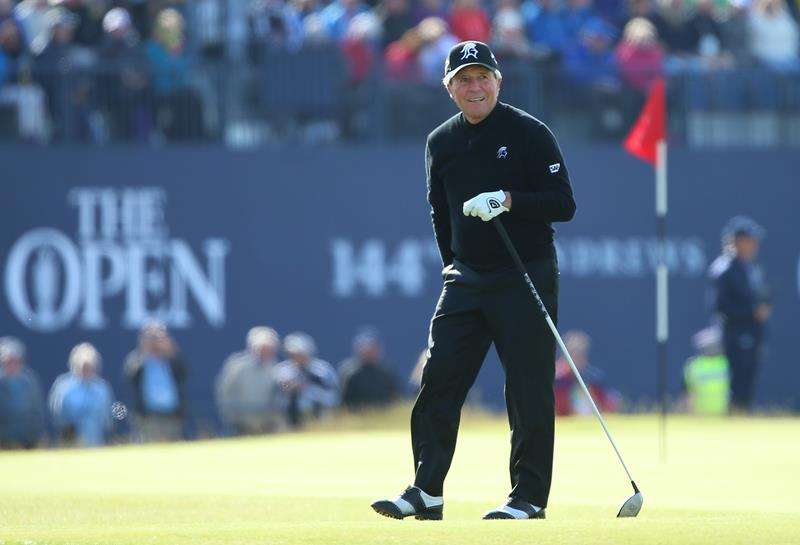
[486, 205]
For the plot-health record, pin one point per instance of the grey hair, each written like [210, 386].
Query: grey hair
[82, 354]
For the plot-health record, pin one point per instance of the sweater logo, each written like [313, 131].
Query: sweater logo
[502, 152]
[555, 167]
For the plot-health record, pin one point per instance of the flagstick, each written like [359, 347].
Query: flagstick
[662, 285]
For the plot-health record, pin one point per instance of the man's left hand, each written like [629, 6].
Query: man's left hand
[487, 205]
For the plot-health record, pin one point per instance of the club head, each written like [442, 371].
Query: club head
[632, 506]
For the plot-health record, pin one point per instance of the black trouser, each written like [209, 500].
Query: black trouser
[742, 348]
[475, 310]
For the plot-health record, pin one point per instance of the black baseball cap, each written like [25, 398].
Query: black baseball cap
[468, 53]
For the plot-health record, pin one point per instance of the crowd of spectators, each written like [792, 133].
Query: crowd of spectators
[95, 70]
[255, 391]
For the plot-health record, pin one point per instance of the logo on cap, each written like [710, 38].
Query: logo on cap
[470, 49]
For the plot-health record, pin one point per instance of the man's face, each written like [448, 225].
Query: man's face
[369, 352]
[746, 247]
[87, 369]
[266, 352]
[11, 365]
[474, 89]
[300, 358]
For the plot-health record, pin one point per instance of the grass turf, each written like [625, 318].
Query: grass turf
[724, 481]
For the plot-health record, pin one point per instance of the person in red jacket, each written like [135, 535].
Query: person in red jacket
[639, 55]
[469, 21]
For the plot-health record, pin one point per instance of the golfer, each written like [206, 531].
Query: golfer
[489, 160]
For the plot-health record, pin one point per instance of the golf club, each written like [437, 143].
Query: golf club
[632, 505]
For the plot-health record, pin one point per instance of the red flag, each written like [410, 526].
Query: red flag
[651, 125]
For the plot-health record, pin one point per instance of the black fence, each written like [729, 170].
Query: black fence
[312, 96]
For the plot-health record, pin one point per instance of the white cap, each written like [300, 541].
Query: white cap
[299, 343]
[262, 336]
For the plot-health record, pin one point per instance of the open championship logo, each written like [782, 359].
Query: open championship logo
[122, 252]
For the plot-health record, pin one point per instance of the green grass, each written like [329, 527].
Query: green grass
[724, 481]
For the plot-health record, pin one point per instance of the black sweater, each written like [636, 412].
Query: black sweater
[509, 150]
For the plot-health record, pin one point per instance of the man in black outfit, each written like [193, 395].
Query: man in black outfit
[743, 305]
[489, 160]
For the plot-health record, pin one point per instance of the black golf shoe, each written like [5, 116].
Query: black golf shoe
[411, 503]
[515, 509]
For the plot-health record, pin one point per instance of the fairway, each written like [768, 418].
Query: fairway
[724, 481]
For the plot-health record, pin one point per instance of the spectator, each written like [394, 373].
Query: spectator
[774, 36]
[12, 37]
[21, 402]
[337, 15]
[735, 31]
[590, 61]
[676, 33]
[275, 25]
[401, 57]
[546, 27]
[396, 19]
[32, 14]
[705, 375]
[80, 400]
[360, 46]
[12, 46]
[157, 375]
[61, 69]
[468, 21]
[570, 398]
[123, 82]
[577, 15]
[179, 111]
[509, 40]
[436, 43]
[430, 8]
[145, 13]
[26, 97]
[310, 384]
[644, 9]
[639, 55]
[366, 379]
[88, 15]
[249, 398]
[707, 37]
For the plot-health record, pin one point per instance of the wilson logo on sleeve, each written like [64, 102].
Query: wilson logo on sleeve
[555, 167]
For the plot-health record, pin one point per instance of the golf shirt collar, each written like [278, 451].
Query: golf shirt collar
[487, 121]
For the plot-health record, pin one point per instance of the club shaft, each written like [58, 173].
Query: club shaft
[515, 256]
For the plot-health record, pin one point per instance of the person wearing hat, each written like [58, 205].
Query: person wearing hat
[742, 303]
[490, 160]
[705, 376]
